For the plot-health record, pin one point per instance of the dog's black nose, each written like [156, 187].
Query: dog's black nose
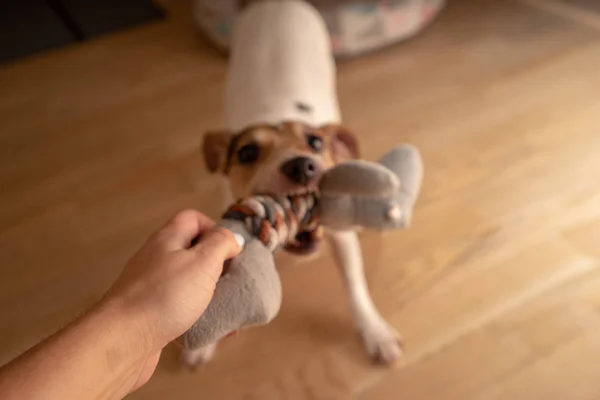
[299, 170]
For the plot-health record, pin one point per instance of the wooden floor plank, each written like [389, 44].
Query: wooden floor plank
[500, 351]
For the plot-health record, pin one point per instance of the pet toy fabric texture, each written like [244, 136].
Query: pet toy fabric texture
[351, 195]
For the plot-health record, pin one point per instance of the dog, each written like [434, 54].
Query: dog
[284, 132]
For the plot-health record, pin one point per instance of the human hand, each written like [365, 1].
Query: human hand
[114, 348]
[168, 284]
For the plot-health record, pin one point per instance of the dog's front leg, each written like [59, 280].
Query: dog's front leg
[380, 339]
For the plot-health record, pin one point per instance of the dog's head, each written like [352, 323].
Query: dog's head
[284, 159]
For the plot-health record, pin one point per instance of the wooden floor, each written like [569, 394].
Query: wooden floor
[496, 288]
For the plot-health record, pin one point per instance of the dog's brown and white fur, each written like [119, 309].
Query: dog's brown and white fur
[284, 131]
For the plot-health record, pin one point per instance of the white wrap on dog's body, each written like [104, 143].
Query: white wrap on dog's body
[281, 67]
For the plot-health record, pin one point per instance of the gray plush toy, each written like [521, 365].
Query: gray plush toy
[351, 195]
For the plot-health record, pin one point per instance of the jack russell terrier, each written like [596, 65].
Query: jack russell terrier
[284, 132]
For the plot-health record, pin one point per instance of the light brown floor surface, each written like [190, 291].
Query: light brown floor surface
[496, 288]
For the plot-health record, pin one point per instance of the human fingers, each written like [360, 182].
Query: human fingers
[215, 247]
[181, 230]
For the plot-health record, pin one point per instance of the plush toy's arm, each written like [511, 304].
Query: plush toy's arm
[248, 293]
[406, 162]
[359, 178]
[348, 212]
[345, 204]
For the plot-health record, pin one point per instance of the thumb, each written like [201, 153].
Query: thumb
[215, 247]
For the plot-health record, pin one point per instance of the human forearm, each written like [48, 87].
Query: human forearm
[100, 356]
[114, 349]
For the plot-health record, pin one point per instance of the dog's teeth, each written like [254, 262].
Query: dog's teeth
[305, 191]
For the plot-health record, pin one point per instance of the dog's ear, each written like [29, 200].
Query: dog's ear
[215, 146]
[343, 142]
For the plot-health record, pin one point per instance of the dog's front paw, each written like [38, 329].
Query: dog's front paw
[382, 343]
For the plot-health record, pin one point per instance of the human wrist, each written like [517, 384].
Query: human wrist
[127, 322]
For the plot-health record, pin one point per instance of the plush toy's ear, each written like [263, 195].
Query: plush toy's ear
[344, 145]
[214, 148]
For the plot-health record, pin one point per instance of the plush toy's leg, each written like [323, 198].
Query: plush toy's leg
[249, 293]
[405, 161]
[191, 358]
[381, 340]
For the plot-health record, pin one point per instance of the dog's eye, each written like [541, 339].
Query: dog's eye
[315, 142]
[248, 154]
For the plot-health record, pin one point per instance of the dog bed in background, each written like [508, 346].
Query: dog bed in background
[355, 27]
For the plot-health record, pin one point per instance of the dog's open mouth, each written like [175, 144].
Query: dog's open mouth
[308, 238]
[309, 233]
[301, 191]
[306, 242]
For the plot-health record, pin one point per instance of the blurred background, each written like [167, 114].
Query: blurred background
[495, 288]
